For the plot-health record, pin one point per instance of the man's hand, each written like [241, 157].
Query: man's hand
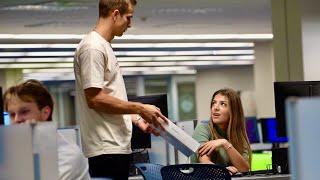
[147, 128]
[153, 115]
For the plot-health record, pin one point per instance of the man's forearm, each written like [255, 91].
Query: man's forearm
[112, 105]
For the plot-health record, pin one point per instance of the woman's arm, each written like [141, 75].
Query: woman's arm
[205, 159]
[235, 157]
[237, 160]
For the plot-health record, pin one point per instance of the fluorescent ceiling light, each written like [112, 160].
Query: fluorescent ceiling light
[60, 70]
[186, 58]
[49, 77]
[135, 73]
[198, 37]
[36, 60]
[134, 45]
[146, 37]
[181, 45]
[180, 53]
[230, 52]
[185, 63]
[131, 59]
[68, 74]
[36, 65]
[41, 36]
[168, 68]
[21, 46]
[132, 53]
[40, 53]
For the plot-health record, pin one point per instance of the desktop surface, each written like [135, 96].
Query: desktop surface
[264, 176]
[247, 177]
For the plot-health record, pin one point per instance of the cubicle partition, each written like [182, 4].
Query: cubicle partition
[29, 151]
[303, 130]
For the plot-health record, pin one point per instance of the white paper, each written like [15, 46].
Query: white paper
[179, 139]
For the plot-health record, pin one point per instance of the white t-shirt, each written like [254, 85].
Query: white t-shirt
[95, 65]
[72, 164]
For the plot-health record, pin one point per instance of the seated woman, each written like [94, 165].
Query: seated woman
[223, 139]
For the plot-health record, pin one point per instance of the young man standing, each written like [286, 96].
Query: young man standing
[101, 95]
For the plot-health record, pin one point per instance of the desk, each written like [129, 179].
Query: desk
[262, 177]
[138, 177]
[265, 177]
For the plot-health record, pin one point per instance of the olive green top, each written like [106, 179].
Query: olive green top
[202, 134]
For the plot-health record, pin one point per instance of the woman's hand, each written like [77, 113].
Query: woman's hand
[232, 170]
[209, 147]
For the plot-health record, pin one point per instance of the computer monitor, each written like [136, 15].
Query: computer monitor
[252, 130]
[283, 90]
[269, 131]
[141, 140]
[1, 108]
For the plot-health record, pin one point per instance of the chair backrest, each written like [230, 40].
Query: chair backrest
[195, 171]
[150, 171]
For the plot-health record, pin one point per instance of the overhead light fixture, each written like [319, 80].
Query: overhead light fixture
[136, 45]
[41, 36]
[37, 60]
[130, 59]
[199, 37]
[135, 73]
[36, 65]
[60, 70]
[182, 45]
[132, 53]
[183, 53]
[39, 53]
[67, 73]
[21, 46]
[144, 37]
[184, 63]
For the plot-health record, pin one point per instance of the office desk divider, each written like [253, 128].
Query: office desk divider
[303, 130]
[29, 151]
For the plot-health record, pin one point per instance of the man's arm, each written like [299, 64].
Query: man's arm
[100, 101]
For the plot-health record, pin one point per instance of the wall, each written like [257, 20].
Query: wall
[10, 77]
[210, 80]
[311, 39]
[263, 79]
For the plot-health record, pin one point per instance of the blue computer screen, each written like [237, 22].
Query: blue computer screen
[6, 118]
[252, 129]
[269, 131]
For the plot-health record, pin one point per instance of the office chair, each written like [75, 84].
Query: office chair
[195, 171]
[150, 171]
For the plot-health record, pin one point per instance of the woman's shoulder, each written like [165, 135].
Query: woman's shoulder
[203, 124]
[202, 129]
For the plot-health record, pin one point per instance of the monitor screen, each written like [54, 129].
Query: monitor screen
[1, 108]
[252, 129]
[283, 90]
[141, 140]
[269, 131]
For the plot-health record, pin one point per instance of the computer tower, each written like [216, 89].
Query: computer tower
[280, 161]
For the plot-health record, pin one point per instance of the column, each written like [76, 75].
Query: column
[286, 24]
[263, 79]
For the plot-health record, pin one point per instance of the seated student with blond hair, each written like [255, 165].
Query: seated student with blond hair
[32, 101]
[224, 140]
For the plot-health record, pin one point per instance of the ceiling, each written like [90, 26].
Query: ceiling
[194, 28]
[151, 16]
